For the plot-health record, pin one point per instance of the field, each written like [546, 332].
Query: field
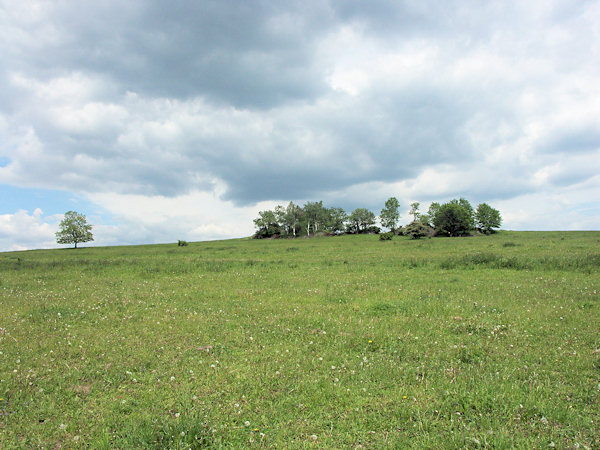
[490, 341]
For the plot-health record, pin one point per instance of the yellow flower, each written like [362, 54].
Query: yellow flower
[370, 341]
[404, 396]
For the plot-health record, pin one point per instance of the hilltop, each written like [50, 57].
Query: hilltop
[324, 342]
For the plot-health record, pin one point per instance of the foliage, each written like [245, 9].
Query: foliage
[336, 220]
[74, 229]
[414, 211]
[267, 225]
[425, 219]
[291, 219]
[416, 230]
[389, 214]
[386, 236]
[407, 344]
[434, 207]
[454, 218]
[182, 243]
[360, 220]
[487, 218]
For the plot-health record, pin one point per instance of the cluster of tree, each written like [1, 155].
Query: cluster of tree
[455, 218]
[295, 220]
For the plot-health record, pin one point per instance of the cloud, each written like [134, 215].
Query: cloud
[33, 231]
[270, 102]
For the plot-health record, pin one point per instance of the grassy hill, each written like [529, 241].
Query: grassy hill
[325, 342]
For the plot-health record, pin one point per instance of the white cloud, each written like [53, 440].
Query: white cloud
[22, 231]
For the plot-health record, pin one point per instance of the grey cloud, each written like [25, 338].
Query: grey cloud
[569, 141]
[226, 51]
[246, 89]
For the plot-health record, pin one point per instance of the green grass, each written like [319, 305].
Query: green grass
[490, 341]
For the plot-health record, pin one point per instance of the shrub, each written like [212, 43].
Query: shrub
[182, 243]
[386, 236]
[416, 230]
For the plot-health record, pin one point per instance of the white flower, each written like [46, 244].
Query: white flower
[62, 426]
[172, 378]
[314, 437]
[247, 423]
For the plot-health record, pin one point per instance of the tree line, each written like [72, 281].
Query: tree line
[454, 218]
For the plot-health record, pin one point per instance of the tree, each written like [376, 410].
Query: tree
[487, 218]
[315, 215]
[266, 225]
[361, 219]
[389, 214]
[292, 217]
[414, 211]
[454, 218]
[74, 229]
[337, 217]
[433, 209]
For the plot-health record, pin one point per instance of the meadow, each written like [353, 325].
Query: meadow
[332, 342]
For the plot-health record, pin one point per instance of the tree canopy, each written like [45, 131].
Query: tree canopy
[389, 214]
[487, 218]
[74, 229]
[454, 218]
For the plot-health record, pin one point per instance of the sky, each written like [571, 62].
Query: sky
[176, 120]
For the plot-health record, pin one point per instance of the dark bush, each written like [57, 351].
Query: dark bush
[386, 236]
[182, 243]
[416, 230]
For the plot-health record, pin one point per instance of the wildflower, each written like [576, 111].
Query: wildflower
[62, 426]
[172, 378]
[177, 415]
[247, 423]
[370, 341]
[314, 437]
[404, 396]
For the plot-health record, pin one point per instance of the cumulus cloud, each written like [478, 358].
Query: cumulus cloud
[264, 102]
[33, 230]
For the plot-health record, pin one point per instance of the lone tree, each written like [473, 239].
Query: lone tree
[74, 229]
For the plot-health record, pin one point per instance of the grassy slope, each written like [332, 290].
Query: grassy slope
[326, 342]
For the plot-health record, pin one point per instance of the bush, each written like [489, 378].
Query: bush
[182, 243]
[416, 230]
[386, 236]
